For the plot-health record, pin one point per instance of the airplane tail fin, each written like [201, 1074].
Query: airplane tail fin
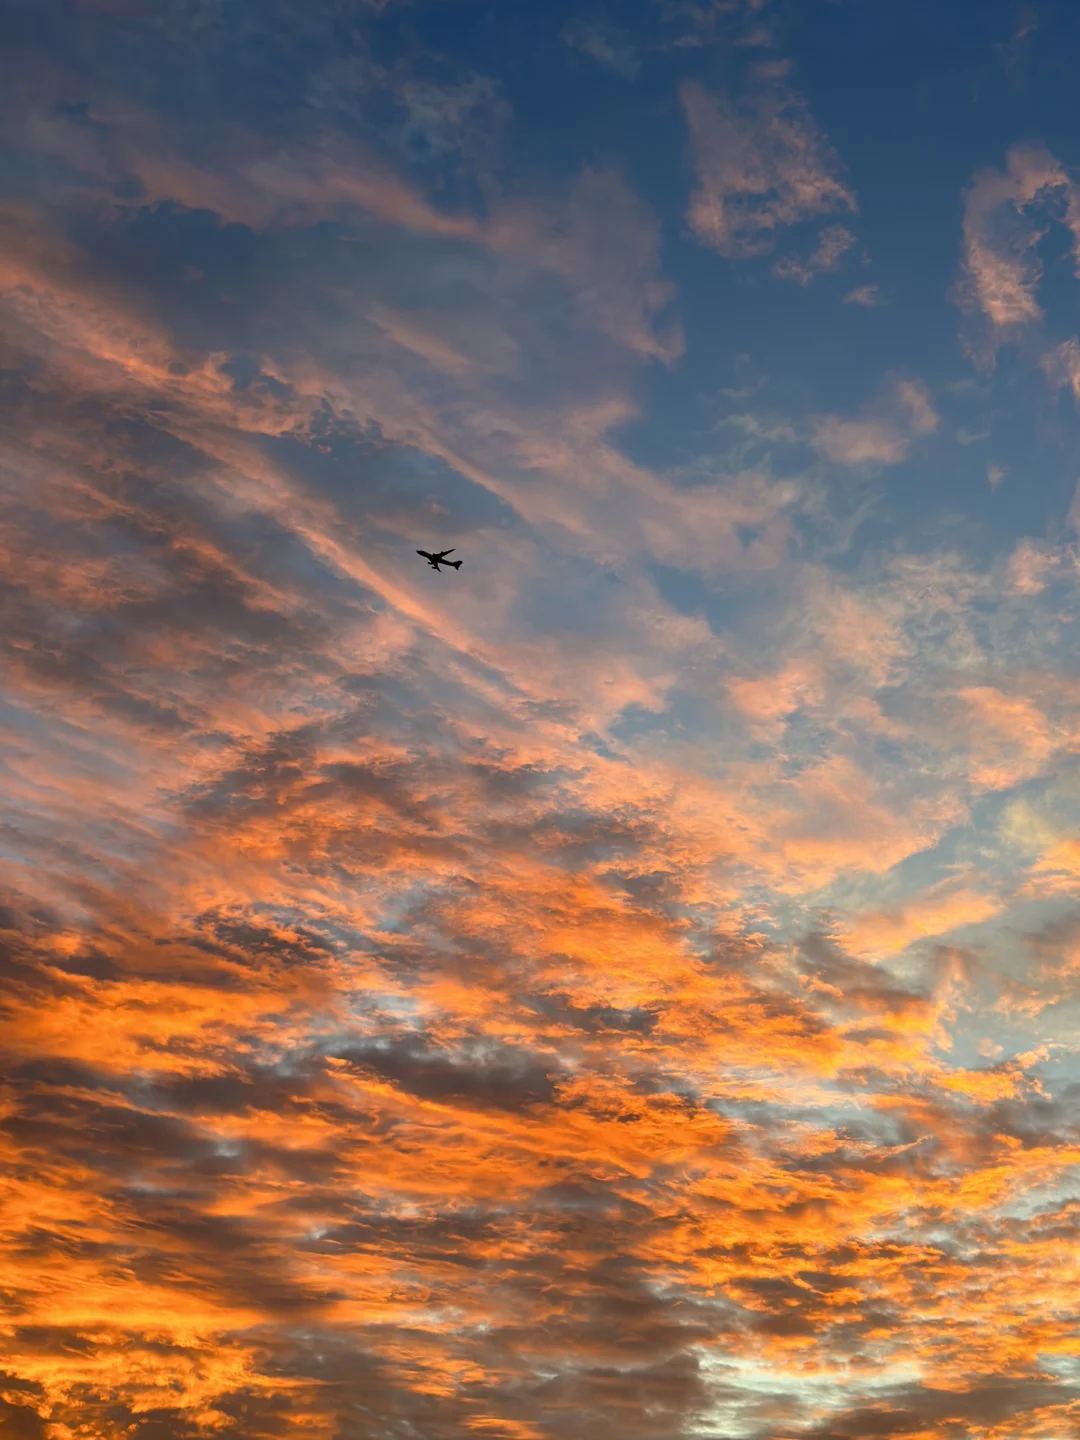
[455, 563]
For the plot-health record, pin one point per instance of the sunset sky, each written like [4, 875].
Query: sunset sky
[627, 988]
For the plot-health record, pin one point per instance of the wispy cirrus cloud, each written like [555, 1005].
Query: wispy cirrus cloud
[1006, 214]
[1061, 365]
[868, 296]
[884, 433]
[833, 244]
[761, 165]
[605, 43]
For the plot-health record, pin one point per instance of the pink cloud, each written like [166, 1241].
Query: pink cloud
[868, 296]
[761, 168]
[1029, 567]
[835, 241]
[884, 434]
[1006, 213]
[599, 235]
[1061, 365]
[1010, 738]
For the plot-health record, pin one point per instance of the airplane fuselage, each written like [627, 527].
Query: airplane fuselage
[439, 559]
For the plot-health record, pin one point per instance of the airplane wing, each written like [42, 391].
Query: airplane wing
[447, 552]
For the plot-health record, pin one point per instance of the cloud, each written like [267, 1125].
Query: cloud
[883, 435]
[1015, 55]
[604, 43]
[868, 296]
[1006, 214]
[834, 242]
[606, 241]
[441, 120]
[1061, 365]
[1029, 565]
[931, 915]
[598, 236]
[761, 168]
[1011, 738]
[768, 701]
[424, 1002]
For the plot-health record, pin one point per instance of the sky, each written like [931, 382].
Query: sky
[628, 987]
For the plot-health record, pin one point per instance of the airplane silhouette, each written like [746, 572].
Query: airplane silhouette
[439, 558]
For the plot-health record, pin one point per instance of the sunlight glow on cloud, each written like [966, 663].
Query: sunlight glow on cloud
[884, 433]
[761, 168]
[630, 985]
[1006, 216]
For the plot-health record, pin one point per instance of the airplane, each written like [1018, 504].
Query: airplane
[439, 558]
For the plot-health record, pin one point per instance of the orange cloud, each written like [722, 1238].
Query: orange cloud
[446, 1008]
[925, 917]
